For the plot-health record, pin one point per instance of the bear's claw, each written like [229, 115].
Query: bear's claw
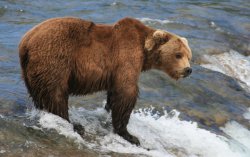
[79, 129]
[130, 138]
[107, 108]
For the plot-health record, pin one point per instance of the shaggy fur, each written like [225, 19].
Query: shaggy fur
[64, 56]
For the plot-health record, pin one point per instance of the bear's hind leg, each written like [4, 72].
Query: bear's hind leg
[58, 103]
[59, 106]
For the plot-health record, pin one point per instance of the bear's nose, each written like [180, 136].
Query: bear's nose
[187, 71]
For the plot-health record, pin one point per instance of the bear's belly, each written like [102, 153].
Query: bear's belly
[89, 84]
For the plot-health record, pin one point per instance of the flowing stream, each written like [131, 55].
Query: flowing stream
[204, 115]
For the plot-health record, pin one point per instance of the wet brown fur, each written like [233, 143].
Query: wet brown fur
[64, 56]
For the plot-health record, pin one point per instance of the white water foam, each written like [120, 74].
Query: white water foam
[2, 151]
[63, 127]
[153, 21]
[164, 136]
[232, 64]
[1, 116]
[246, 115]
[217, 28]
[213, 25]
[239, 133]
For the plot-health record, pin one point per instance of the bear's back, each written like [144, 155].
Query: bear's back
[67, 30]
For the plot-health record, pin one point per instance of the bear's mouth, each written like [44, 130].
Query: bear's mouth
[184, 75]
[176, 75]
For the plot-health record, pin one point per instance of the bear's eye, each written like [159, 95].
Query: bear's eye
[178, 55]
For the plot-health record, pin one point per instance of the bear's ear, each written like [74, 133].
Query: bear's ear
[159, 37]
[185, 41]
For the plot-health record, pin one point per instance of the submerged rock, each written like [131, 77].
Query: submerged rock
[208, 97]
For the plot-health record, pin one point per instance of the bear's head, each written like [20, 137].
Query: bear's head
[169, 53]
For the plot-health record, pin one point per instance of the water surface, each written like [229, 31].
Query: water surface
[206, 114]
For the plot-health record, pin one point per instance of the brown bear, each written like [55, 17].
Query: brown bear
[72, 56]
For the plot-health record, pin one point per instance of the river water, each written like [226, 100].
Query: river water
[205, 115]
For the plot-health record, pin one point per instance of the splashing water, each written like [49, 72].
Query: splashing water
[232, 64]
[160, 136]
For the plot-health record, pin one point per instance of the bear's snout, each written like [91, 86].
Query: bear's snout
[187, 71]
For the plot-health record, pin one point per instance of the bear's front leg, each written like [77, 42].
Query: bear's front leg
[122, 103]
